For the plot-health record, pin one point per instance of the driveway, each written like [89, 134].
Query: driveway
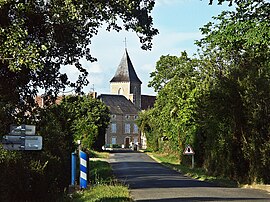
[153, 182]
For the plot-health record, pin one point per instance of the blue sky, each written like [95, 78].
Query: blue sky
[178, 22]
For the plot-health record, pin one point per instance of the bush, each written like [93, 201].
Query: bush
[38, 175]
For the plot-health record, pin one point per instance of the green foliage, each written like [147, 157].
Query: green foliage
[146, 123]
[106, 193]
[32, 176]
[174, 118]
[46, 174]
[219, 102]
[100, 172]
[87, 119]
[238, 65]
[38, 37]
[103, 185]
[96, 154]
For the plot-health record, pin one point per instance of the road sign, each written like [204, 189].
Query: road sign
[22, 138]
[15, 142]
[188, 150]
[12, 139]
[12, 147]
[22, 129]
[33, 143]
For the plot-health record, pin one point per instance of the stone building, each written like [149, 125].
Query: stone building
[125, 102]
[122, 129]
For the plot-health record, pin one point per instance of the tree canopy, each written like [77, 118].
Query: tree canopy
[86, 118]
[46, 173]
[218, 102]
[37, 37]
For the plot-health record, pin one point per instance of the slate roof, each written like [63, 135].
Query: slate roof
[119, 104]
[147, 101]
[125, 71]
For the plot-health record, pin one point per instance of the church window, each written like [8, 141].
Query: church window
[113, 127]
[120, 91]
[127, 128]
[113, 116]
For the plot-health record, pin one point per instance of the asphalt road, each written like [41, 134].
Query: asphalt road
[150, 181]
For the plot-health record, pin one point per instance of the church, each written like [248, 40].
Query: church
[125, 102]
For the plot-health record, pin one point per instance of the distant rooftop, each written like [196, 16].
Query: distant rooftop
[125, 71]
[118, 104]
[147, 101]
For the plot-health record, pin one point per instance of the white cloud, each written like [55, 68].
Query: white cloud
[178, 31]
[95, 68]
[181, 40]
[71, 71]
[108, 48]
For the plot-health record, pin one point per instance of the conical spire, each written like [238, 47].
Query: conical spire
[125, 71]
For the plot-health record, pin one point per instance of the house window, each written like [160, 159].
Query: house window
[135, 129]
[113, 116]
[127, 128]
[113, 140]
[113, 128]
[135, 117]
[127, 116]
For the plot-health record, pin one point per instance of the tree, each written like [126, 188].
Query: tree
[38, 37]
[221, 1]
[220, 102]
[86, 119]
[147, 124]
[176, 78]
[42, 174]
[236, 50]
[46, 174]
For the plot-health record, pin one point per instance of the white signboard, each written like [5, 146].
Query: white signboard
[33, 143]
[22, 129]
[12, 147]
[15, 142]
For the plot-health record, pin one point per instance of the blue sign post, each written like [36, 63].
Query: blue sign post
[73, 168]
[83, 170]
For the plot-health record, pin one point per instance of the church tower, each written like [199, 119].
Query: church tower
[126, 82]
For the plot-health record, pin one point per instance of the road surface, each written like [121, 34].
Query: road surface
[150, 181]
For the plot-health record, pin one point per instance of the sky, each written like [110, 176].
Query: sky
[178, 22]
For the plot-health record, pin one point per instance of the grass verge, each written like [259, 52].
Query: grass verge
[197, 173]
[104, 193]
[96, 154]
[103, 187]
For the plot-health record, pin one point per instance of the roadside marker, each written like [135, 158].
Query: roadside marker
[188, 150]
[83, 170]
